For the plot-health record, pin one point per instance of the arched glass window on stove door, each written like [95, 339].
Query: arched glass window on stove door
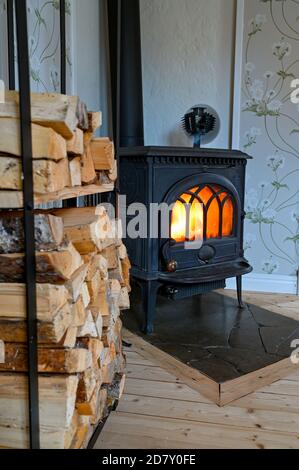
[209, 214]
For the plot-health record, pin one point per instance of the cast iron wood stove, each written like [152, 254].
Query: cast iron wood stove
[212, 183]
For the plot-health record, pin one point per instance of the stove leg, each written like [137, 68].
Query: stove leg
[149, 299]
[239, 292]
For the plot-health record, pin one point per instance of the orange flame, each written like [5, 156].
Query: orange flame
[179, 230]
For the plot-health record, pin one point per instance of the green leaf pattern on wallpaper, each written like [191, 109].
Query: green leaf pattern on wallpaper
[44, 44]
[272, 204]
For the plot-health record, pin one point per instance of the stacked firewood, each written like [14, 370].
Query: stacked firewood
[66, 154]
[82, 273]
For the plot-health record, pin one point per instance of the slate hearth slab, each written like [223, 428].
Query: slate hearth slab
[215, 347]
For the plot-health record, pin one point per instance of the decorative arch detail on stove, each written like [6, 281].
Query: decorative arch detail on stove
[205, 205]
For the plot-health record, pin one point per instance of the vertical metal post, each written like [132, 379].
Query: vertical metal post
[114, 24]
[29, 238]
[11, 44]
[62, 48]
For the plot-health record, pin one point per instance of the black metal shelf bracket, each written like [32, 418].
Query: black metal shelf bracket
[29, 236]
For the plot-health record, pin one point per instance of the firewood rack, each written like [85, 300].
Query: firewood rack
[17, 22]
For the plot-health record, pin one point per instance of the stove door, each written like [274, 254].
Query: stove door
[205, 223]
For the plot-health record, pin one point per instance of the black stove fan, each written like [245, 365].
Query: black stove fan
[201, 122]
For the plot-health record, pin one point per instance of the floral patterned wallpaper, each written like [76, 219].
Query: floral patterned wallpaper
[270, 133]
[44, 42]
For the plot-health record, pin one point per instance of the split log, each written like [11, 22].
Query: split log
[95, 408]
[13, 437]
[82, 435]
[46, 143]
[95, 121]
[79, 314]
[114, 311]
[59, 112]
[102, 265]
[98, 321]
[48, 176]
[88, 228]
[70, 433]
[95, 286]
[69, 339]
[108, 177]
[75, 284]
[102, 151]
[113, 174]
[100, 303]
[111, 334]
[96, 262]
[49, 298]
[52, 267]
[109, 372]
[75, 171]
[54, 331]
[122, 252]
[89, 328]
[85, 295]
[110, 254]
[50, 361]
[57, 395]
[75, 146]
[104, 357]
[116, 389]
[102, 411]
[124, 299]
[95, 346]
[82, 115]
[110, 355]
[48, 229]
[89, 408]
[87, 138]
[103, 305]
[88, 174]
[86, 386]
[103, 178]
[14, 331]
[117, 273]
[114, 289]
[126, 269]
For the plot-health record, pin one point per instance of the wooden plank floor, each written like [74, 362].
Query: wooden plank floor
[157, 411]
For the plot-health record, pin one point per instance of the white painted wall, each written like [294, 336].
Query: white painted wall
[86, 52]
[90, 57]
[187, 49]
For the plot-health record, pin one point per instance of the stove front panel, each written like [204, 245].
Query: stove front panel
[163, 175]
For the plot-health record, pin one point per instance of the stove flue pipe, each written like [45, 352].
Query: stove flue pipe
[126, 72]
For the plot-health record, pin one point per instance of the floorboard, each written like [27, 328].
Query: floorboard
[157, 411]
